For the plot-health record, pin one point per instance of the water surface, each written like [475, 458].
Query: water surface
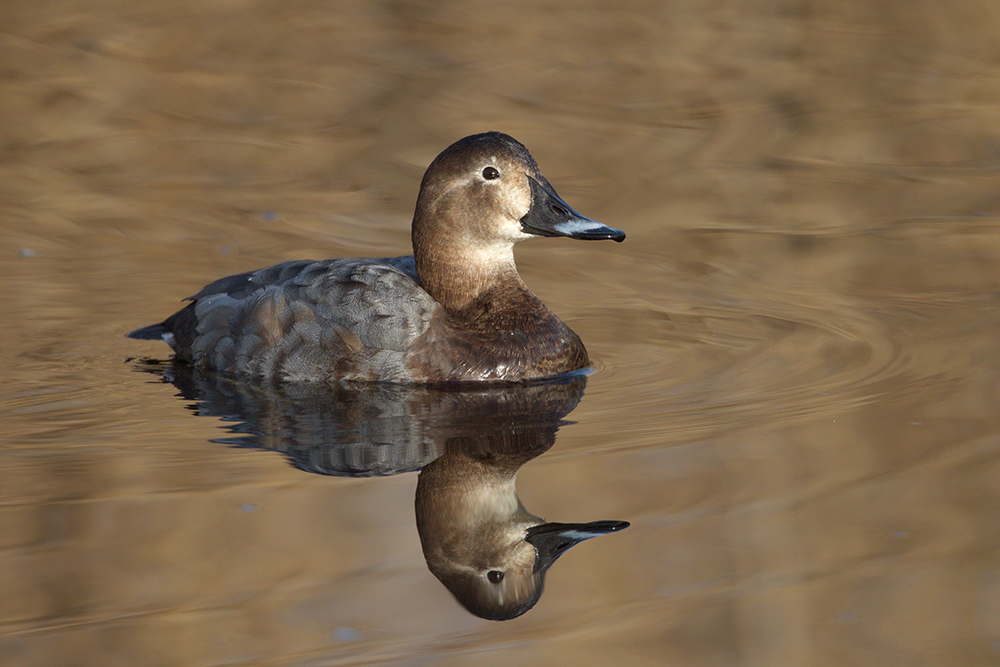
[797, 360]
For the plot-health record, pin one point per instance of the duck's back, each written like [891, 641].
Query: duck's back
[350, 319]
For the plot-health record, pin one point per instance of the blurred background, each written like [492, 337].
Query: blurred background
[796, 348]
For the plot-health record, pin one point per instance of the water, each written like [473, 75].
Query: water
[797, 365]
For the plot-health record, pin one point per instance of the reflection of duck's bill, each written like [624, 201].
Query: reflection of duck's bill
[551, 540]
[549, 215]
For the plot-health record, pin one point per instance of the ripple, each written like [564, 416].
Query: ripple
[719, 362]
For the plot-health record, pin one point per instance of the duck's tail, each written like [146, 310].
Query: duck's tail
[152, 332]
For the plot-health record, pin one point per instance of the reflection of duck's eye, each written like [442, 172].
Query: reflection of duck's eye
[491, 173]
[495, 576]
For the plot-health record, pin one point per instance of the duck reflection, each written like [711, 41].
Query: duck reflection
[467, 442]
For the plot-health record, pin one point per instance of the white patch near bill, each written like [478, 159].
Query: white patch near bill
[577, 226]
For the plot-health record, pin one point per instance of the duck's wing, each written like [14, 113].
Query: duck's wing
[238, 286]
[305, 320]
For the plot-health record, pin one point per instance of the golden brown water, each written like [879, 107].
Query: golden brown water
[797, 345]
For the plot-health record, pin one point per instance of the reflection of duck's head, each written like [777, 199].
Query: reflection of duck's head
[501, 577]
[478, 538]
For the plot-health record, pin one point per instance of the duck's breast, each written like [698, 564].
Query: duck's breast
[507, 334]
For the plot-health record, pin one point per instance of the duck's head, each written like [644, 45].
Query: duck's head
[481, 195]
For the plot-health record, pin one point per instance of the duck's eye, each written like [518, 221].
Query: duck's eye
[489, 174]
[495, 576]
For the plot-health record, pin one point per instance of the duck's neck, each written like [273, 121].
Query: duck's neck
[460, 276]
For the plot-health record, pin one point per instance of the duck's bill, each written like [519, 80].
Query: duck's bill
[549, 215]
[551, 540]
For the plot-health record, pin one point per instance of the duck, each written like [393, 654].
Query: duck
[454, 311]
